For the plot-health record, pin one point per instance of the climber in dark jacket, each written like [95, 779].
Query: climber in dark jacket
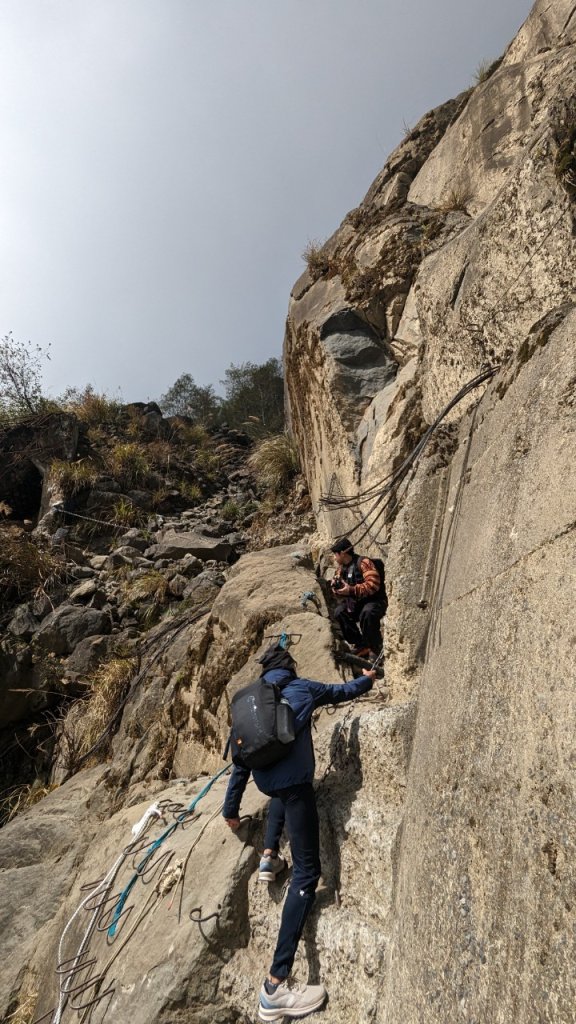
[289, 782]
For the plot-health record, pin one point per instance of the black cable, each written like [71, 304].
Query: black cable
[384, 492]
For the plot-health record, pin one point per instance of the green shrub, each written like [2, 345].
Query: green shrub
[195, 435]
[231, 510]
[564, 131]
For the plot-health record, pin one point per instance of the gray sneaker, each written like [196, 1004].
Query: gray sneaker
[290, 1002]
[270, 867]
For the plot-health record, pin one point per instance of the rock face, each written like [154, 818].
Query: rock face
[480, 538]
[462, 244]
[485, 863]
[446, 797]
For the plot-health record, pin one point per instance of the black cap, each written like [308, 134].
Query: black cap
[277, 657]
[342, 545]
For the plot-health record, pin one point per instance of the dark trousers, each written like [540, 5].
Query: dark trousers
[297, 806]
[360, 624]
[274, 825]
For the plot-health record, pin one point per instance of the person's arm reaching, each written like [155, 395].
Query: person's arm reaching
[339, 693]
[234, 793]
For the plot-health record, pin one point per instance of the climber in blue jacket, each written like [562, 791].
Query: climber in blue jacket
[289, 782]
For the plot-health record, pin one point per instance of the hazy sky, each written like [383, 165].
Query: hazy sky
[163, 163]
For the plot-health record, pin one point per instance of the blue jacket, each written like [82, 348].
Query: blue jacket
[304, 696]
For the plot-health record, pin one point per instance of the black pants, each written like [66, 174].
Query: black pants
[297, 807]
[274, 824]
[360, 624]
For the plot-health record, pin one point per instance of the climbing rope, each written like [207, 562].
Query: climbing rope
[105, 918]
[155, 846]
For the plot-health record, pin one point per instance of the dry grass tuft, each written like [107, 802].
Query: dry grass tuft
[23, 1013]
[73, 477]
[21, 798]
[125, 513]
[128, 462]
[456, 199]
[274, 462]
[92, 408]
[107, 688]
[486, 69]
[192, 492]
[152, 591]
[315, 258]
[25, 567]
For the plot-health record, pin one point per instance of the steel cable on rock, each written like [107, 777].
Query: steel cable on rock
[173, 629]
[382, 493]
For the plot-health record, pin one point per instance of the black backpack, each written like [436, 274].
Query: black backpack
[263, 728]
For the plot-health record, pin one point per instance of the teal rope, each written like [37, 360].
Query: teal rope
[154, 846]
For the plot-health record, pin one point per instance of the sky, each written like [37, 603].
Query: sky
[163, 164]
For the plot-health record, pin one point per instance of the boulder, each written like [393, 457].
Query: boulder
[61, 631]
[177, 585]
[84, 591]
[24, 623]
[135, 539]
[88, 654]
[175, 545]
[59, 846]
[190, 565]
[39, 858]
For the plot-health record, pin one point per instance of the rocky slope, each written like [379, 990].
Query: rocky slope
[447, 798]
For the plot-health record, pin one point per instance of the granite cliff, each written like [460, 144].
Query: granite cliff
[448, 798]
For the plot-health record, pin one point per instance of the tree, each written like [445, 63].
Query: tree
[186, 398]
[20, 376]
[255, 396]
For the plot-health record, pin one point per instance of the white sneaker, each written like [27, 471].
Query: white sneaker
[290, 1002]
[270, 866]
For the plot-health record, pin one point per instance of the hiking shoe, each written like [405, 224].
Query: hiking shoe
[360, 652]
[290, 1002]
[270, 866]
